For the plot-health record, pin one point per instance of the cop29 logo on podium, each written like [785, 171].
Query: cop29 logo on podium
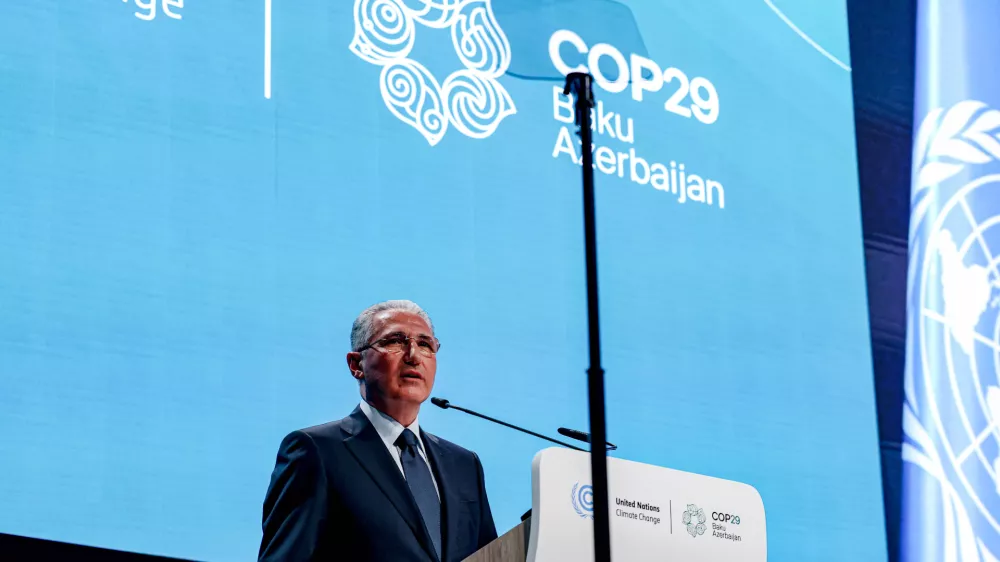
[469, 99]
[952, 382]
[694, 520]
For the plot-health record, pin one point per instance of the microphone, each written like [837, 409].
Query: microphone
[445, 404]
[582, 436]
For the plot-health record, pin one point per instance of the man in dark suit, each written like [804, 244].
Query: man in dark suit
[374, 486]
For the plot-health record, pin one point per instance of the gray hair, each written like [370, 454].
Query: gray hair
[362, 329]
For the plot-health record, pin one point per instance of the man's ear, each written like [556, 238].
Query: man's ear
[354, 364]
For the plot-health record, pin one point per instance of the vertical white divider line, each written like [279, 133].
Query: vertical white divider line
[267, 49]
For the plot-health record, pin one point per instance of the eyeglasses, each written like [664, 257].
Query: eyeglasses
[399, 343]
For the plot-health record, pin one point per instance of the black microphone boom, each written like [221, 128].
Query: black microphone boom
[445, 404]
[582, 436]
[581, 84]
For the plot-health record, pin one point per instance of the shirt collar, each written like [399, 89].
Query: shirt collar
[388, 428]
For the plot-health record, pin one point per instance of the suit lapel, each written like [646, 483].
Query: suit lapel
[449, 501]
[366, 445]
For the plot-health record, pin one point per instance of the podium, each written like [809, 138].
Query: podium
[509, 547]
[656, 514]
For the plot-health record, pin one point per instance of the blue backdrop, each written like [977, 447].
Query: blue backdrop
[196, 200]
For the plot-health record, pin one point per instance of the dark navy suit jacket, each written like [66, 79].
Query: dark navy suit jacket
[337, 494]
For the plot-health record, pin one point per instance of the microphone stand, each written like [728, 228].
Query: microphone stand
[446, 404]
[581, 84]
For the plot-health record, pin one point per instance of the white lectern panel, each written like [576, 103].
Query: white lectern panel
[656, 513]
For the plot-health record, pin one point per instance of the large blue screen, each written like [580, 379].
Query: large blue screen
[197, 198]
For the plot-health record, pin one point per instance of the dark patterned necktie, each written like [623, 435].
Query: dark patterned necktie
[418, 478]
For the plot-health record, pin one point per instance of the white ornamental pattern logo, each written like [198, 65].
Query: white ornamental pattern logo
[951, 417]
[470, 99]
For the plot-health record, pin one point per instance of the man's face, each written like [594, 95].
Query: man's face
[405, 376]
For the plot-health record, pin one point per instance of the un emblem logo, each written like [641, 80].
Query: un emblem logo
[952, 383]
[469, 99]
[582, 498]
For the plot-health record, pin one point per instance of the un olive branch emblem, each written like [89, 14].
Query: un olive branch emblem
[583, 500]
[948, 141]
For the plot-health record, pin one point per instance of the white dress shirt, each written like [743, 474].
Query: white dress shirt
[390, 430]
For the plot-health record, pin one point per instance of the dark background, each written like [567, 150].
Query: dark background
[882, 59]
